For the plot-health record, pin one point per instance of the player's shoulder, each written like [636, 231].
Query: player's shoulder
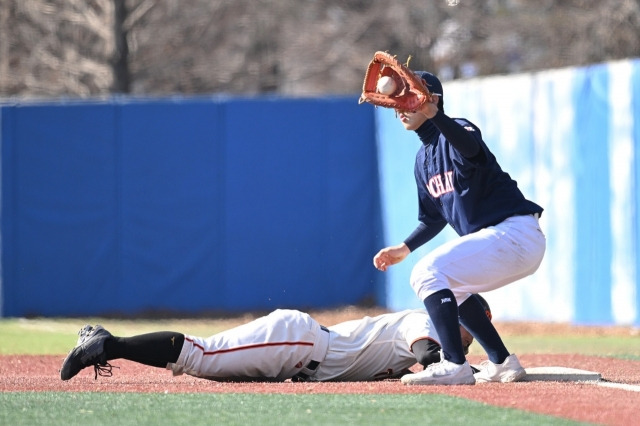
[420, 154]
[467, 124]
[414, 324]
[418, 312]
[404, 313]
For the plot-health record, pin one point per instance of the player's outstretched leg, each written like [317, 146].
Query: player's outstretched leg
[88, 351]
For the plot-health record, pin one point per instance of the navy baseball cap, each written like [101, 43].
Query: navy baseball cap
[433, 84]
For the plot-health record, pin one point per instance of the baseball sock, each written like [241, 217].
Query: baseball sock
[154, 349]
[443, 310]
[474, 318]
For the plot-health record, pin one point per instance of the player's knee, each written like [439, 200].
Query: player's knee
[426, 282]
[417, 280]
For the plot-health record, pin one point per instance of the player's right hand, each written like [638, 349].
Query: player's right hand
[390, 256]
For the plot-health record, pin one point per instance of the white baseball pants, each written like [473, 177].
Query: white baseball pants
[482, 261]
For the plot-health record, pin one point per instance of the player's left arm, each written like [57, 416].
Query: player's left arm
[426, 351]
[462, 138]
[422, 234]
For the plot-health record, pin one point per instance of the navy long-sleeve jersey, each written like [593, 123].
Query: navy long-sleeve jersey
[469, 192]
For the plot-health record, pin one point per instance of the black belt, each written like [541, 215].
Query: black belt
[313, 365]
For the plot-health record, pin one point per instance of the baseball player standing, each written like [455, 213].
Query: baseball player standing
[461, 184]
[286, 344]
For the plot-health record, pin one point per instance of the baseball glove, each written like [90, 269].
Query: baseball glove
[409, 91]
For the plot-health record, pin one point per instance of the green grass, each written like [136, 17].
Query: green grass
[42, 336]
[46, 336]
[122, 409]
[609, 346]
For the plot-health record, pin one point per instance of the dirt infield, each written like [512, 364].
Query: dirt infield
[584, 401]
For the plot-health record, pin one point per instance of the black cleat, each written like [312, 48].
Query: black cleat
[88, 351]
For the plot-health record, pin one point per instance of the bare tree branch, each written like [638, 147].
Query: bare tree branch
[292, 47]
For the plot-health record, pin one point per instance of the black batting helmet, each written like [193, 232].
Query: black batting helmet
[484, 304]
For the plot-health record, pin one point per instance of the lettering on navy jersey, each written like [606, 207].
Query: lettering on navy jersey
[439, 185]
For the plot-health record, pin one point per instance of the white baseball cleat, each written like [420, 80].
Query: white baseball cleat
[442, 373]
[509, 371]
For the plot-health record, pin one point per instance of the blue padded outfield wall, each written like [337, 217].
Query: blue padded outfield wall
[216, 204]
[188, 206]
[571, 138]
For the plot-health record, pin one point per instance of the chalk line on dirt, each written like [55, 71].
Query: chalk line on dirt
[623, 386]
[564, 374]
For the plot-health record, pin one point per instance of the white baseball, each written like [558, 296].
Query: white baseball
[386, 85]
